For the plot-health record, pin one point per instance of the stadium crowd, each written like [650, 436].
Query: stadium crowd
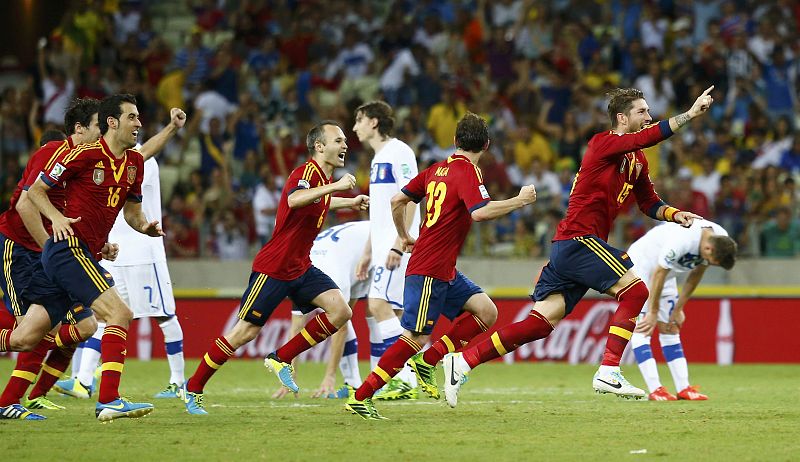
[254, 75]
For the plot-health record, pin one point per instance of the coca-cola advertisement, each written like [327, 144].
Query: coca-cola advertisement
[722, 331]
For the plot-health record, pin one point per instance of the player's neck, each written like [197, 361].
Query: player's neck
[327, 168]
[473, 157]
[74, 139]
[117, 149]
[379, 142]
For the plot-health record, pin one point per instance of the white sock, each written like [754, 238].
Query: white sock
[606, 370]
[348, 365]
[647, 364]
[673, 353]
[76, 360]
[173, 342]
[462, 363]
[91, 356]
[376, 347]
[391, 330]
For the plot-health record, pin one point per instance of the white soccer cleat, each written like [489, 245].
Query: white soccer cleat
[454, 377]
[614, 382]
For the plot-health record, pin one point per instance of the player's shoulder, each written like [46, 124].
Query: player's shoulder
[463, 166]
[135, 155]
[85, 151]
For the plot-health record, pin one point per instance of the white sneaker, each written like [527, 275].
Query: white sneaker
[454, 377]
[614, 382]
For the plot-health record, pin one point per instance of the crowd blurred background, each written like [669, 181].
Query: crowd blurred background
[254, 75]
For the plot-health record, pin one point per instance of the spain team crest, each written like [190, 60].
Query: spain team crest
[98, 176]
[131, 174]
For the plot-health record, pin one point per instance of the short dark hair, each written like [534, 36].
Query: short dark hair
[724, 250]
[472, 133]
[112, 107]
[317, 133]
[379, 110]
[52, 135]
[620, 100]
[80, 112]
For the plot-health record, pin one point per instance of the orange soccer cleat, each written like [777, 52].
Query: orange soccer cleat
[692, 393]
[661, 394]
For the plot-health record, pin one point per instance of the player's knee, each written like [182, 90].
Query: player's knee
[340, 314]
[488, 314]
[636, 293]
[87, 327]
[22, 343]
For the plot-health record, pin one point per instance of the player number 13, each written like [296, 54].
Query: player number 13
[436, 192]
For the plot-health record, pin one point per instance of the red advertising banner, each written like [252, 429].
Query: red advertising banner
[723, 331]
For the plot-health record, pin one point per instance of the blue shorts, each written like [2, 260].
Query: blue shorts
[67, 276]
[426, 298]
[18, 264]
[579, 264]
[264, 294]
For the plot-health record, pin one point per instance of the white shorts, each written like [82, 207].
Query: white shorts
[147, 289]
[669, 297]
[388, 284]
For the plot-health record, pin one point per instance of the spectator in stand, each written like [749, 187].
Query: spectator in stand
[684, 197]
[230, 237]
[780, 237]
[790, 158]
[707, 182]
[548, 187]
[194, 59]
[265, 205]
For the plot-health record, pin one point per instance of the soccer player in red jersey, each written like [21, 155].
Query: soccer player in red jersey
[454, 196]
[99, 180]
[282, 268]
[614, 167]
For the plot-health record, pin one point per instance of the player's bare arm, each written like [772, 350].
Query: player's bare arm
[32, 219]
[400, 203]
[62, 228]
[678, 315]
[304, 197]
[132, 212]
[395, 255]
[109, 251]
[495, 209]
[681, 217]
[699, 108]
[177, 119]
[362, 269]
[360, 202]
[646, 325]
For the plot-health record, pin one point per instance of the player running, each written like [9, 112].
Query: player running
[454, 196]
[657, 256]
[614, 167]
[282, 268]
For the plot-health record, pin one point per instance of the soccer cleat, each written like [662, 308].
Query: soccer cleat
[41, 402]
[364, 409]
[340, 393]
[72, 387]
[121, 407]
[170, 392]
[283, 370]
[692, 393]
[454, 378]
[396, 389]
[17, 412]
[661, 394]
[192, 401]
[615, 383]
[426, 375]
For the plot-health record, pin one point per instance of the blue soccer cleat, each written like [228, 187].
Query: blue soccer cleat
[72, 387]
[341, 393]
[170, 392]
[119, 408]
[192, 401]
[283, 370]
[17, 412]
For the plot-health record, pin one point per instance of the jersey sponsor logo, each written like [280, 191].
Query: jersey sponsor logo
[484, 192]
[57, 170]
[381, 173]
[98, 176]
[304, 184]
[131, 174]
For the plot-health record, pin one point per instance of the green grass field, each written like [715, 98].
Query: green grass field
[519, 412]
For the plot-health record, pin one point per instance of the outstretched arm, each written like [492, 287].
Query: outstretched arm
[302, 197]
[496, 209]
[157, 142]
[699, 108]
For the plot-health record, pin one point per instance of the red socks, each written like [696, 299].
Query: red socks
[317, 330]
[457, 337]
[57, 362]
[508, 338]
[25, 372]
[631, 300]
[113, 348]
[219, 352]
[392, 362]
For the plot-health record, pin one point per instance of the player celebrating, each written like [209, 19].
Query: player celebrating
[99, 180]
[657, 256]
[141, 277]
[454, 196]
[393, 166]
[282, 268]
[614, 167]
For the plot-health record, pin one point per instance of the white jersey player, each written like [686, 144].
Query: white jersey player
[657, 256]
[142, 279]
[337, 251]
[393, 166]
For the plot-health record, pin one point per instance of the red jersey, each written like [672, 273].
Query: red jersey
[613, 167]
[286, 255]
[97, 186]
[453, 189]
[11, 224]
